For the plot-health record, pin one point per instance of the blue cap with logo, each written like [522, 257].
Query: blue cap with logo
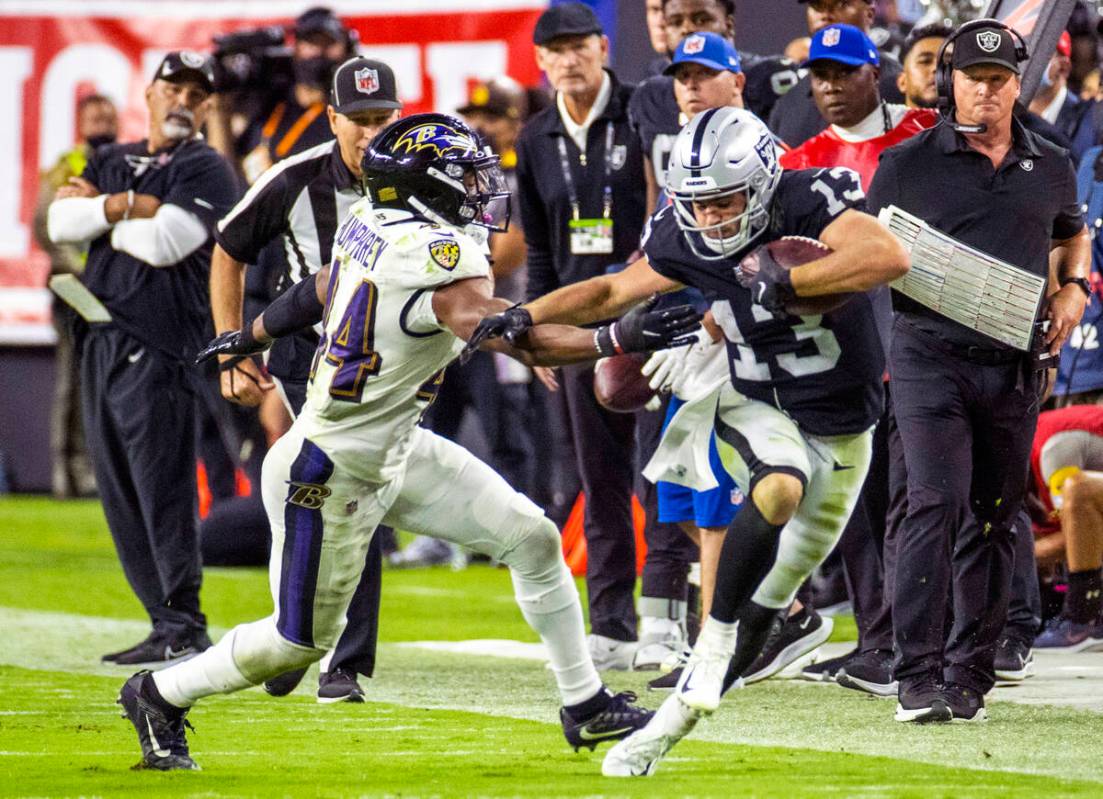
[844, 44]
[708, 49]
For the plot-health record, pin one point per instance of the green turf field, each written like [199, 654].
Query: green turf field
[443, 724]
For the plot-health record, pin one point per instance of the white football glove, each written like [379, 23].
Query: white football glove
[667, 367]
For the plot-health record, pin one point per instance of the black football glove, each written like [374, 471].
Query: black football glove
[510, 324]
[771, 287]
[643, 329]
[232, 342]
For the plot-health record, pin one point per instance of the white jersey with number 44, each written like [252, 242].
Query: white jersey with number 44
[383, 351]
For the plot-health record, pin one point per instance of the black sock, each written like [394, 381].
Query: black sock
[147, 689]
[1085, 597]
[754, 628]
[591, 707]
[748, 554]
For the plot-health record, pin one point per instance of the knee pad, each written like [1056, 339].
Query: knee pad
[260, 652]
[542, 583]
[532, 539]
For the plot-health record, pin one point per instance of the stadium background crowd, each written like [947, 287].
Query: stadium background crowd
[547, 434]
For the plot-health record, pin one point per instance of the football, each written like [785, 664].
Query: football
[790, 252]
[619, 385]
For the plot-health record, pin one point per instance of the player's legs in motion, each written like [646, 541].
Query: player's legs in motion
[322, 521]
[803, 490]
[448, 493]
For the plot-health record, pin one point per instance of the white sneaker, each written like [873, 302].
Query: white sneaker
[702, 681]
[675, 660]
[609, 654]
[639, 754]
[652, 656]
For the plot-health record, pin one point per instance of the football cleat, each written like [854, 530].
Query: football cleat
[620, 718]
[920, 701]
[283, 684]
[160, 726]
[702, 682]
[639, 754]
[1014, 660]
[1065, 636]
[869, 671]
[339, 685]
[789, 640]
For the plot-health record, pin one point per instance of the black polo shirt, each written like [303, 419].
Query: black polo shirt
[1012, 213]
[299, 202]
[544, 198]
[164, 307]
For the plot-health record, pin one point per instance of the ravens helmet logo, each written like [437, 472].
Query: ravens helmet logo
[445, 252]
[441, 139]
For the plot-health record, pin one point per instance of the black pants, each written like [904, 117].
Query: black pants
[1024, 612]
[355, 650]
[139, 421]
[966, 429]
[605, 445]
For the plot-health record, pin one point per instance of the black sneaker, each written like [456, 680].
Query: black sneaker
[285, 683]
[921, 701]
[826, 670]
[869, 671]
[668, 682]
[789, 640]
[159, 649]
[339, 685]
[1014, 660]
[619, 719]
[146, 644]
[966, 705]
[160, 726]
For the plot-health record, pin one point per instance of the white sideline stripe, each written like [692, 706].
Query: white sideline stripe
[484, 647]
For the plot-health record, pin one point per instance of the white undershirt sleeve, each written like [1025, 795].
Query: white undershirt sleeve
[75, 220]
[170, 236]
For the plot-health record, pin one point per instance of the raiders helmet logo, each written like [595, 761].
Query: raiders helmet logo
[307, 495]
[694, 44]
[367, 80]
[989, 41]
[445, 252]
[831, 37]
[767, 153]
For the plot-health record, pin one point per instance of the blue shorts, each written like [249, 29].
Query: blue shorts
[714, 508]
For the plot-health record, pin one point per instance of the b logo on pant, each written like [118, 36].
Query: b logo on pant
[307, 495]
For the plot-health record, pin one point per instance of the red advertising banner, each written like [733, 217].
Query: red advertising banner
[52, 52]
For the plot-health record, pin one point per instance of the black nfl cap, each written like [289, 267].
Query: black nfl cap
[185, 65]
[566, 19]
[985, 46]
[362, 84]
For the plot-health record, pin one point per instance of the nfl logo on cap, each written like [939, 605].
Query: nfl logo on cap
[831, 37]
[988, 41]
[694, 44]
[367, 80]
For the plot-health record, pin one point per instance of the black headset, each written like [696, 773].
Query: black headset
[944, 70]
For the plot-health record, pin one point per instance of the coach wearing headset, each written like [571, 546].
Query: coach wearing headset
[966, 405]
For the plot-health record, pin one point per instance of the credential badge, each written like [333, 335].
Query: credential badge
[989, 41]
[367, 80]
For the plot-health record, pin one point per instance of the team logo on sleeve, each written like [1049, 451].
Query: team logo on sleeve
[367, 80]
[445, 252]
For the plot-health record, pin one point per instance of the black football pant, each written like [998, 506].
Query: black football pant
[139, 421]
[355, 650]
[605, 445]
[966, 428]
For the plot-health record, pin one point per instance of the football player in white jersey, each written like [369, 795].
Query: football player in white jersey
[408, 284]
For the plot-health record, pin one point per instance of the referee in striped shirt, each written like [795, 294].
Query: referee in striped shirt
[301, 201]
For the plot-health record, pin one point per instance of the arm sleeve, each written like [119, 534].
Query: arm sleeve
[260, 216]
[171, 235]
[1069, 220]
[534, 220]
[74, 220]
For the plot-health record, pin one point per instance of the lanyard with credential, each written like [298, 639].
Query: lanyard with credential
[607, 191]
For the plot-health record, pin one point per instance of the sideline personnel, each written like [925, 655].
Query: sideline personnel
[301, 201]
[966, 406]
[148, 209]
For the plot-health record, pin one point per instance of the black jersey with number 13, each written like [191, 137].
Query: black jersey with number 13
[824, 371]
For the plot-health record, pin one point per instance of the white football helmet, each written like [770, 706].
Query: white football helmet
[723, 151]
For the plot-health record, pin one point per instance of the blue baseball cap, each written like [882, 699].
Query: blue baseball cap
[844, 44]
[708, 49]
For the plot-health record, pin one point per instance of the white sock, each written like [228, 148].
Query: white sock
[717, 637]
[674, 717]
[551, 607]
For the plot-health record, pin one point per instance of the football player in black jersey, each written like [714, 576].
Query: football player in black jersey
[794, 423]
[654, 111]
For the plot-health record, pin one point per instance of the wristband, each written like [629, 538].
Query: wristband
[129, 204]
[605, 343]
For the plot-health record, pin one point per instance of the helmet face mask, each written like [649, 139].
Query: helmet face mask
[438, 168]
[721, 153]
